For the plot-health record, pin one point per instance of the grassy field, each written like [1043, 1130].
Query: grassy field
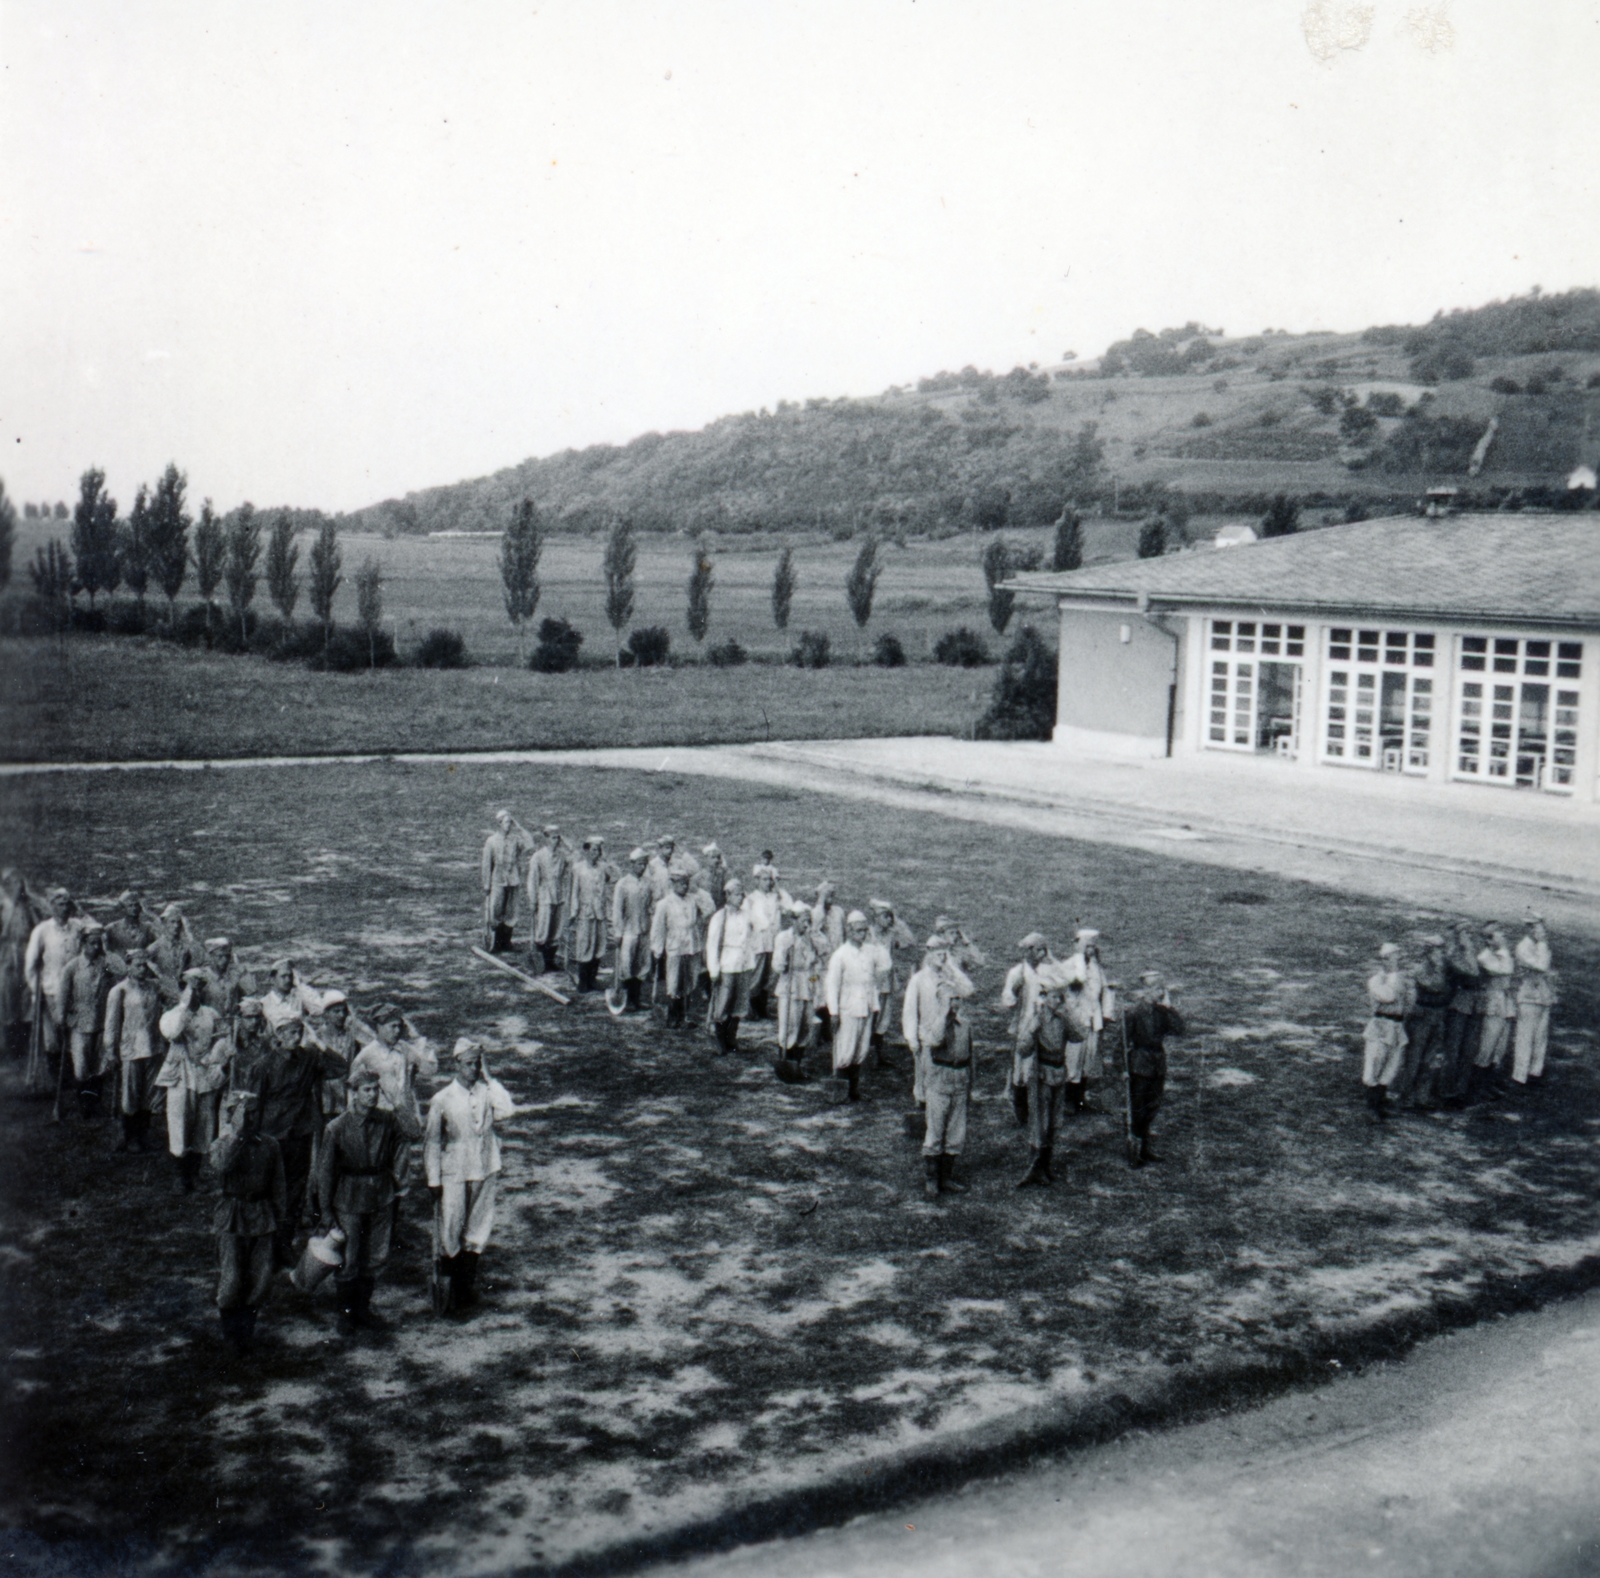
[119, 699]
[716, 1305]
[926, 589]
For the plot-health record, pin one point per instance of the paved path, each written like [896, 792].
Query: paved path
[1477, 1457]
[1442, 846]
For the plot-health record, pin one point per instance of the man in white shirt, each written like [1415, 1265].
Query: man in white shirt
[853, 984]
[1536, 995]
[797, 966]
[503, 854]
[729, 965]
[288, 997]
[549, 893]
[52, 946]
[929, 992]
[398, 1055]
[674, 944]
[461, 1159]
[765, 906]
[1092, 992]
[192, 1076]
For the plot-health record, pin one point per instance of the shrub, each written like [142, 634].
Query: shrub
[811, 650]
[1441, 362]
[126, 619]
[1594, 381]
[1200, 419]
[961, 648]
[1153, 538]
[1357, 422]
[283, 641]
[889, 653]
[1385, 402]
[347, 651]
[442, 648]
[729, 655]
[1282, 517]
[650, 645]
[1066, 552]
[1504, 385]
[1024, 702]
[557, 651]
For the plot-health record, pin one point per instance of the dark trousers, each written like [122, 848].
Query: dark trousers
[244, 1270]
[1045, 1103]
[296, 1153]
[1420, 1073]
[1146, 1091]
[367, 1237]
[1460, 1047]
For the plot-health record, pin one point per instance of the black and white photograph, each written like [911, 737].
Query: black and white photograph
[800, 790]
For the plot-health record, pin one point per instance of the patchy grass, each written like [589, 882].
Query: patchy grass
[672, 1340]
[97, 698]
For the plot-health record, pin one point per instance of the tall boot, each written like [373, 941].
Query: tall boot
[125, 1123]
[366, 1316]
[853, 1075]
[1019, 1104]
[731, 1034]
[1377, 1101]
[467, 1289]
[349, 1305]
[88, 1101]
[931, 1180]
[1075, 1096]
[675, 1014]
[189, 1170]
[1045, 1155]
[1031, 1177]
[1148, 1152]
[635, 996]
[947, 1176]
[182, 1183]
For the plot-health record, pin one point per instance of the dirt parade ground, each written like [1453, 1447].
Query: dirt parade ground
[717, 1307]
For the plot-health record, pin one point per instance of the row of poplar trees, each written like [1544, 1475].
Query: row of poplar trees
[158, 544]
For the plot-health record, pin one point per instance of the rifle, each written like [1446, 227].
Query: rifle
[1127, 1070]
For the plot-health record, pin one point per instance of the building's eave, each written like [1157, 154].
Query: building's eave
[1142, 600]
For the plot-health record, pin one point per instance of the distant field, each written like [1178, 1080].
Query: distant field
[97, 698]
[926, 588]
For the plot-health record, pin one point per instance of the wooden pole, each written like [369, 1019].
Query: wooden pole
[526, 979]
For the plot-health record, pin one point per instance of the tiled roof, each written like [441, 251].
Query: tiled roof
[1539, 568]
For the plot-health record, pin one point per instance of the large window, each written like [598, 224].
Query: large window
[1379, 709]
[1254, 680]
[1518, 724]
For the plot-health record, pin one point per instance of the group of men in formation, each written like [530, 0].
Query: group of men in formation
[699, 936]
[1467, 1021]
[307, 1113]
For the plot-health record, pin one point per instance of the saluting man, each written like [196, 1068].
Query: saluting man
[886, 933]
[942, 1033]
[853, 982]
[503, 853]
[192, 1077]
[254, 1203]
[549, 892]
[461, 1156]
[935, 983]
[1093, 993]
[1148, 1022]
[1020, 998]
[798, 965]
[227, 982]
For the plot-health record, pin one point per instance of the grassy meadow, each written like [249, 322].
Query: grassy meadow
[715, 1305]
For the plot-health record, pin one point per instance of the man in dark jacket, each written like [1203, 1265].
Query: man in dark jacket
[1149, 1021]
[254, 1201]
[365, 1152]
[288, 1083]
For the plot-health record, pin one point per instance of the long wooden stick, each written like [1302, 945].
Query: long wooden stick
[523, 976]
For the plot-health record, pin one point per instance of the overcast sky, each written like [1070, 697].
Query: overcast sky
[325, 253]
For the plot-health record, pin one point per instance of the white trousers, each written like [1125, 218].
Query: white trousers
[1533, 1041]
[466, 1215]
[852, 1039]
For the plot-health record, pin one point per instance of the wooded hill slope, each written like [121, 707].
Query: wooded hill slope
[1227, 420]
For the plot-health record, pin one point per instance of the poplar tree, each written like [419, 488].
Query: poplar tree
[94, 536]
[621, 553]
[783, 584]
[701, 581]
[210, 552]
[521, 544]
[326, 562]
[239, 572]
[283, 585]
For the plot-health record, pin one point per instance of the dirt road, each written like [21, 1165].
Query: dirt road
[1477, 1456]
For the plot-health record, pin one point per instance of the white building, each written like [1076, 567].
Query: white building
[1458, 649]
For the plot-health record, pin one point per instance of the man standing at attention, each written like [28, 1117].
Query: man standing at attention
[764, 905]
[933, 986]
[935, 1027]
[1420, 1073]
[674, 933]
[503, 853]
[853, 1002]
[85, 990]
[51, 948]
[590, 881]
[133, 1008]
[549, 888]
[227, 982]
[461, 1156]
[1389, 997]
[630, 929]
[364, 1155]
[798, 968]
[132, 928]
[729, 964]
[1094, 993]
